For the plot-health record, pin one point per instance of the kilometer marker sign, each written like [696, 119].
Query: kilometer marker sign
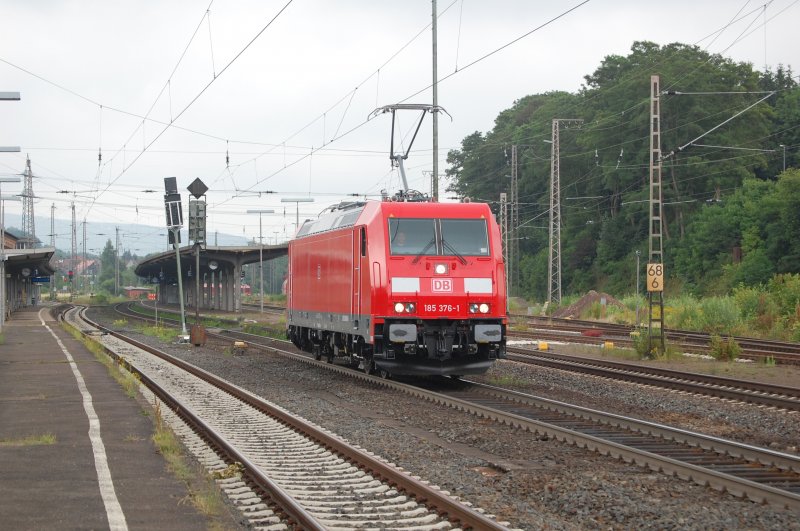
[655, 277]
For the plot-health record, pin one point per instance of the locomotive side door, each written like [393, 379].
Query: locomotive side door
[359, 251]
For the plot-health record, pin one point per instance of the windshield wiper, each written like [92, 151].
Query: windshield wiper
[453, 250]
[423, 251]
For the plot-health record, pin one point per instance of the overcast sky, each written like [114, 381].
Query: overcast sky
[285, 92]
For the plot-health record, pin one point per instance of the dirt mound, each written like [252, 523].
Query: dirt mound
[575, 310]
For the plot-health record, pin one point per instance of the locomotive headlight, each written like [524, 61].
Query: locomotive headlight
[440, 269]
[475, 307]
[404, 307]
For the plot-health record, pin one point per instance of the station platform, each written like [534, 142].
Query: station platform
[100, 470]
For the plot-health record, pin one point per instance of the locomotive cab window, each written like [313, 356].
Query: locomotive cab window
[437, 237]
[466, 237]
[412, 236]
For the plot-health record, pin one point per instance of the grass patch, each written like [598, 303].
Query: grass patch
[263, 331]
[29, 440]
[164, 334]
[502, 380]
[116, 369]
[620, 353]
[205, 497]
[169, 446]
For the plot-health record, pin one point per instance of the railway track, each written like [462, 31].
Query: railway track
[576, 331]
[313, 479]
[759, 474]
[757, 393]
[268, 308]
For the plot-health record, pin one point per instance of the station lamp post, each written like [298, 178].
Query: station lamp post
[261, 251]
[297, 201]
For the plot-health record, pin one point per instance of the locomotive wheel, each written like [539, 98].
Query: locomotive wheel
[384, 374]
[317, 352]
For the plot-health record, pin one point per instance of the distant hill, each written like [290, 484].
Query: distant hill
[138, 239]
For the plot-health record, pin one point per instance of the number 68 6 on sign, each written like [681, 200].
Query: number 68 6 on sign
[655, 277]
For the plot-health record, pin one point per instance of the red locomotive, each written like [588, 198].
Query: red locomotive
[400, 287]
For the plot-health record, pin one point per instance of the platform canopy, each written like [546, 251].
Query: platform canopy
[34, 262]
[164, 262]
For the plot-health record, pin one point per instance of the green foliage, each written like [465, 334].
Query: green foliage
[265, 331]
[785, 289]
[683, 312]
[640, 342]
[724, 350]
[744, 235]
[719, 315]
[108, 263]
[757, 308]
[164, 334]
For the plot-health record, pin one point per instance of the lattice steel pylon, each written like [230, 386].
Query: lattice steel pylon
[656, 247]
[554, 264]
[513, 226]
[504, 234]
[28, 226]
[53, 245]
[73, 256]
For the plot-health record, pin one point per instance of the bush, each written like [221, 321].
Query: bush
[785, 292]
[682, 312]
[724, 350]
[719, 315]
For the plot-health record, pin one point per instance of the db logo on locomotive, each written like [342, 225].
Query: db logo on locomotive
[442, 284]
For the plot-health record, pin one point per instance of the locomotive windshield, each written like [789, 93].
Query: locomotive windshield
[430, 237]
[412, 236]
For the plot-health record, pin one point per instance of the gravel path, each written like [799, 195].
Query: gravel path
[532, 482]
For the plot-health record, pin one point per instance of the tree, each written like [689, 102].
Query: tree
[108, 268]
[604, 170]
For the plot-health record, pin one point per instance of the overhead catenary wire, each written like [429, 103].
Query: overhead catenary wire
[317, 151]
[201, 92]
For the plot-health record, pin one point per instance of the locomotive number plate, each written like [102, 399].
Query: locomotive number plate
[442, 308]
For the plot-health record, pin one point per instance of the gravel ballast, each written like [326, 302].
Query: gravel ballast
[522, 478]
